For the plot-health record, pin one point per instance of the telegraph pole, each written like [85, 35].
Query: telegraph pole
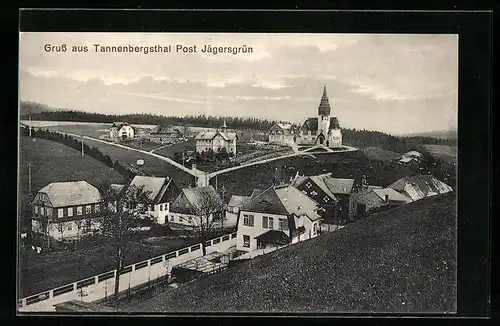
[29, 177]
[81, 139]
[29, 118]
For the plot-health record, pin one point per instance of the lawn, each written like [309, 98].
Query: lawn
[55, 162]
[400, 261]
[445, 152]
[342, 165]
[46, 271]
[152, 165]
[380, 154]
[170, 150]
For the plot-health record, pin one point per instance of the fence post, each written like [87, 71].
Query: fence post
[51, 293]
[74, 286]
[96, 279]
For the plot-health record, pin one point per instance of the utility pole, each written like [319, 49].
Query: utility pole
[29, 118]
[81, 139]
[215, 183]
[29, 177]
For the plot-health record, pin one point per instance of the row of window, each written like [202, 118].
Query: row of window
[47, 211]
[267, 222]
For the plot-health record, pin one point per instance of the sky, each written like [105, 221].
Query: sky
[394, 83]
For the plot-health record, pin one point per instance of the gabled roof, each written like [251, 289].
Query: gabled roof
[209, 135]
[393, 195]
[190, 200]
[282, 200]
[312, 124]
[284, 126]
[420, 186]
[154, 186]
[320, 182]
[324, 105]
[116, 189]
[338, 185]
[119, 125]
[237, 201]
[413, 154]
[73, 193]
[164, 130]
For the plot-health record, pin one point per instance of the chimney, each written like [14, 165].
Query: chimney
[386, 198]
[193, 167]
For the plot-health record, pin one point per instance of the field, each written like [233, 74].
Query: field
[170, 150]
[445, 152]
[49, 270]
[400, 261]
[54, 162]
[380, 154]
[342, 165]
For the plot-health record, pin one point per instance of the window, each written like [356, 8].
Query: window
[246, 241]
[60, 212]
[88, 209]
[267, 222]
[69, 227]
[36, 209]
[49, 211]
[283, 224]
[326, 199]
[79, 210]
[315, 229]
[70, 211]
[248, 220]
[97, 208]
[42, 211]
[309, 185]
[314, 193]
[171, 218]
[161, 207]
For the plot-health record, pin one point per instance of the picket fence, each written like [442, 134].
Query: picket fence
[102, 285]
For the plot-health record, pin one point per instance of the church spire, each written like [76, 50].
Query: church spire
[324, 105]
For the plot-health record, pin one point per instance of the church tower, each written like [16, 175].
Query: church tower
[323, 118]
[224, 126]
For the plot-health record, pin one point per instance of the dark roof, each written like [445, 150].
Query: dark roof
[312, 124]
[274, 236]
[190, 200]
[164, 130]
[420, 186]
[119, 124]
[154, 186]
[324, 105]
[341, 271]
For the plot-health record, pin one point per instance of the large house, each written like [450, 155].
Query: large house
[281, 133]
[216, 140]
[332, 194]
[275, 217]
[65, 210]
[192, 204]
[165, 135]
[121, 131]
[322, 129]
[161, 193]
[420, 186]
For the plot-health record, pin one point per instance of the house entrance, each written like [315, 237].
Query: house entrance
[321, 139]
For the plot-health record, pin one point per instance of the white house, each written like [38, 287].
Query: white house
[281, 133]
[233, 209]
[277, 216]
[161, 192]
[121, 131]
[190, 203]
[420, 186]
[216, 140]
[66, 210]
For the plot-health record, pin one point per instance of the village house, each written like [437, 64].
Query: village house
[67, 210]
[121, 131]
[420, 186]
[373, 198]
[190, 203]
[161, 193]
[323, 129]
[333, 195]
[165, 135]
[216, 140]
[275, 217]
[233, 208]
[282, 134]
[411, 157]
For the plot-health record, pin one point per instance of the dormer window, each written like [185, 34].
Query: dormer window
[314, 193]
[326, 199]
[308, 185]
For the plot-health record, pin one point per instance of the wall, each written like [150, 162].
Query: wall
[161, 211]
[102, 285]
[335, 138]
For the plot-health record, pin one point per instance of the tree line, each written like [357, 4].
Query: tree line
[76, 144]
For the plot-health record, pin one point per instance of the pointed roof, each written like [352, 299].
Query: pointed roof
[324, 105]
[71, 193]
[155, 187]
[224, 125]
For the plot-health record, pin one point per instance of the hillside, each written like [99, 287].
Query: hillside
[55, 162]
[397, 261]
[380, 154]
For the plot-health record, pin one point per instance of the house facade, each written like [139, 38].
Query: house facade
[323, 129]
[190, 203]
[121, 131]
[275, 217]
[161, 192]
[333, 195]
[281, 134]
[216, 141]
[67, 210]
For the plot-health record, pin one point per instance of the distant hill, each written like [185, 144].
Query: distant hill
[27, 107]
[441, 134]
[403, 260]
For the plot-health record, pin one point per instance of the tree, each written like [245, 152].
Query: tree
[79, 225]
[121, 211]
[204, 213]
[61, 227]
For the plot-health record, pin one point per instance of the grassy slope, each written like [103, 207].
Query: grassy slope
[377, 153]
[445, 152]
[342, 165]
[397, 261]
[54, 162]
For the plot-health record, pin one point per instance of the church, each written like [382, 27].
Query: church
[323, 129]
